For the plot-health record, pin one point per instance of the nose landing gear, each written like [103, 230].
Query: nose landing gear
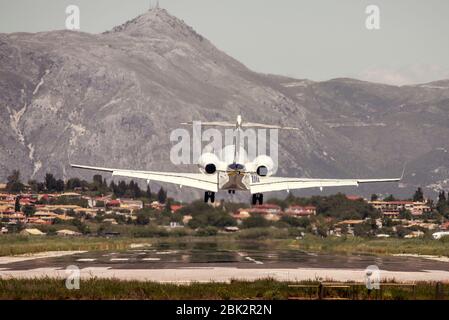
[209, 195]
[257, 197]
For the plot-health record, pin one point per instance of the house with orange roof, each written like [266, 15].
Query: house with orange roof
[301, 211]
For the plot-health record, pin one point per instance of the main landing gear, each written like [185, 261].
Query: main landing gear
[209, 195]
[257, 197]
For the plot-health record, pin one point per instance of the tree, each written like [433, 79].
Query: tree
[176, 217]
[59, 185]
[204, 215]
[363, 229]
[134, 190]
[207, 231]
[130, 190]
[214, 217]
[121, 189]
[82, 227]
[73, 183]
[255, 221]
[162, 195]
[431, 215]
[322, 231]
[101, 230]
[339, 206]
[223, 220]
[99, 184]
[402, 231]
[50, 182]
[390, 198]
[302, 222]
[419, 195]
[387, 222]
[442, 204]
[40, 187]
[97, 181]
[374, 197]
[281, 203]
[137, 191]
[142, 218]
[442, 196]
[405, 214]
[14, 184]
[168, 204]
[28, 210]
[33, 185]
[17, 204]
[148, 192]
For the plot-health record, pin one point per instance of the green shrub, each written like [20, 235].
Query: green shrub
[207, 231]
[256, 221]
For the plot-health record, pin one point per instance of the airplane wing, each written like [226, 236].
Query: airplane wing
[266, 184]
[194, 180]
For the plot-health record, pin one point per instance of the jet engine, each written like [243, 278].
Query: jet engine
[263, 165]
[209, 163]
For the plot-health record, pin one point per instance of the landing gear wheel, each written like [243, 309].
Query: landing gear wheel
[257, 197]
[209, 195]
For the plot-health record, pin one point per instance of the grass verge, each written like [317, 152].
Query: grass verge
[267, 289]
[356, 245]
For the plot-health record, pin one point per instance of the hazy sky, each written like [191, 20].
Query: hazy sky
[312, 39]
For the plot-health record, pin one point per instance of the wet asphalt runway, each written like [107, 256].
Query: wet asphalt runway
[204, 256]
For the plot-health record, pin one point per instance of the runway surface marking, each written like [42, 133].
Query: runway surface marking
[167, 252]
[119, 259]
[253, 260]
[86, 260]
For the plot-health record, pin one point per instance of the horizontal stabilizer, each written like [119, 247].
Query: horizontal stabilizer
[238, 124]
[267, 126]
[212, 123]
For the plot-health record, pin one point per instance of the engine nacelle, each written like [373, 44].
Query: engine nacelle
[209, 163]
[263, 166]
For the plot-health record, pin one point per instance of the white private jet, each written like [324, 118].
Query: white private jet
[254, 176]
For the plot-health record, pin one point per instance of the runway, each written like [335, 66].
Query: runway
[204, 263]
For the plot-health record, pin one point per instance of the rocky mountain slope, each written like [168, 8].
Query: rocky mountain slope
[112, 99]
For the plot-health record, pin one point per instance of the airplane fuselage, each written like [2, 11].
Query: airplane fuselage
[233, 180]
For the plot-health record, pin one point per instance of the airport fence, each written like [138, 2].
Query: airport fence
[359, 291]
